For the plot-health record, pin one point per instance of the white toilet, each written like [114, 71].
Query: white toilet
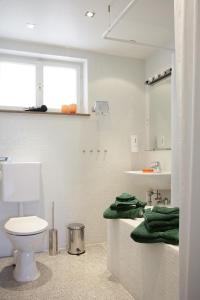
[21, 183]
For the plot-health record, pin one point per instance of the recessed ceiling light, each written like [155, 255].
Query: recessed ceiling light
[90, 14]
[30, 25]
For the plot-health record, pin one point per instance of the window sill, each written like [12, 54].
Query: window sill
[44, 113]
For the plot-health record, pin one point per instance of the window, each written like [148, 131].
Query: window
[17, 84]
[60, 86]
[26, 82]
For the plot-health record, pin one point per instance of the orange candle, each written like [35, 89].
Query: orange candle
[65, 109]
[72, 108]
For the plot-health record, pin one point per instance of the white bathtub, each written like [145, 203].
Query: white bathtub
[147, 271]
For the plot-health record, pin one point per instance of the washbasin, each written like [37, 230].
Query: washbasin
[161, 180]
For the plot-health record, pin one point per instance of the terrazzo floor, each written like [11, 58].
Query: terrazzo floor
[65, 277]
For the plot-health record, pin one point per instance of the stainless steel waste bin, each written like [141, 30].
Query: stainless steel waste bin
[76, 243]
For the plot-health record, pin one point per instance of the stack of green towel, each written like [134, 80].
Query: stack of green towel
[161, 224]
[126, 206]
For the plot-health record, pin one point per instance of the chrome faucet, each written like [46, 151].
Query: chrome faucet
[157, 199]
[155, 165]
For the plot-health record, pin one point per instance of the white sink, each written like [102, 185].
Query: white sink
[161, 180]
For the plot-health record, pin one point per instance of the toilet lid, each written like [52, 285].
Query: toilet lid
[25, 225]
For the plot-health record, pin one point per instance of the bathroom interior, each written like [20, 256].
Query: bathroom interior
[89, 115]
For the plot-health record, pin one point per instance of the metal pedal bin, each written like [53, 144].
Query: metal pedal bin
[76, 241]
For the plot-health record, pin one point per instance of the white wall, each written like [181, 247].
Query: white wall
[82, 185]
[158, 62]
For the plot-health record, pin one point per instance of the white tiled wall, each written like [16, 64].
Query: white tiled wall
[81, 184]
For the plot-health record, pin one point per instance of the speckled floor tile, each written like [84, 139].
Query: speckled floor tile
[65, 277]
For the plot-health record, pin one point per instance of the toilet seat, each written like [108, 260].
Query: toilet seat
[25, 225]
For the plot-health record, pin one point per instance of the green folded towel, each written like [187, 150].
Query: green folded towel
[165, 210]
[123, 214]
[114, 206]
[130, 203]
[125, 197]
[150, 216]
[141, 235]
[126, 206]
[140, 203]
[174, 222]
[161, 219]
[156, 226]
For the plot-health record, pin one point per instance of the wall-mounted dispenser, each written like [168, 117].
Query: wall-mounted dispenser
[134, 143]
[101, 107]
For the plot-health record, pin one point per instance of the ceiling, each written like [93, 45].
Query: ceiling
[63, 22]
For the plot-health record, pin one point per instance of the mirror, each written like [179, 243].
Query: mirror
[158, 120]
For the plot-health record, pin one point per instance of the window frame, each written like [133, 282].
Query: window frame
[39, 63]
